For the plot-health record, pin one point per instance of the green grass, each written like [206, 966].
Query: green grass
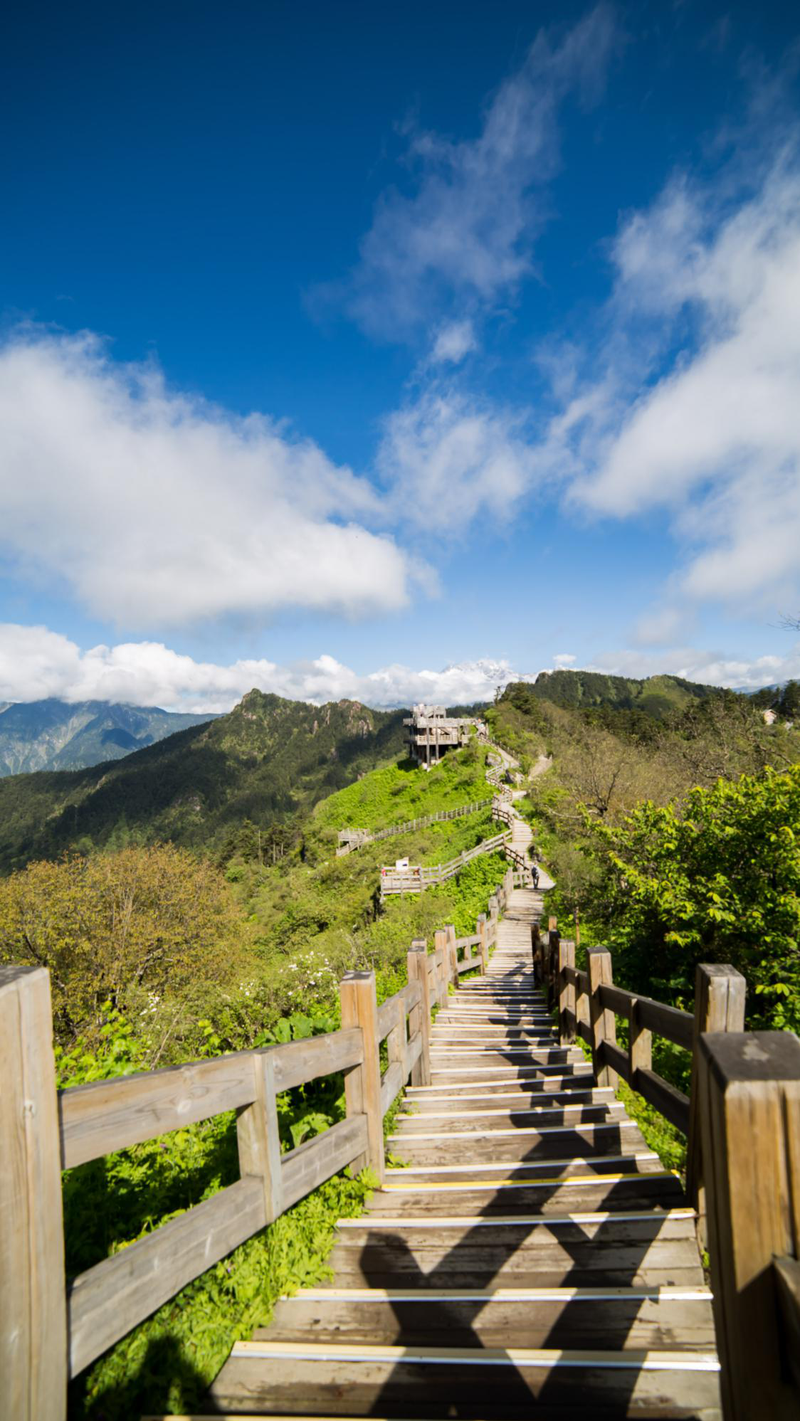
[402, 791]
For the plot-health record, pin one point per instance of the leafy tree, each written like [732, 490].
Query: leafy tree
[118, 927]
[718, 880]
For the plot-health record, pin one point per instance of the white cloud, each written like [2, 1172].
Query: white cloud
[157, 509]
[454, 341]
[712, 668]
[564, 660]
[468, 228]
[708, 428]
[36, 663]
[449, 458]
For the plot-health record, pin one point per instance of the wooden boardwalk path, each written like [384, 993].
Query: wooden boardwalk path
[528, 1256]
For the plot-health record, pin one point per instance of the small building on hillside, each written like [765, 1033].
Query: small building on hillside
[431, 732]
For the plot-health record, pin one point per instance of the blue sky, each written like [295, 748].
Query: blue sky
[344, 344]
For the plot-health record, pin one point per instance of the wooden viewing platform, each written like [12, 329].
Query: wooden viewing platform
[524, 1255]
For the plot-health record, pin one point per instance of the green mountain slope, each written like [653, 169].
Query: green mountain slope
[57, 735]
[656, 696]
[266, 761]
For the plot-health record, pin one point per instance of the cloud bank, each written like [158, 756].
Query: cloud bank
[36, 663]
[155, 509]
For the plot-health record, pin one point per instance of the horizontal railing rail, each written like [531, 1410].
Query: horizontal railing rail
[418, 878]
[50, 1331]
[589, 1002]
[366, 836]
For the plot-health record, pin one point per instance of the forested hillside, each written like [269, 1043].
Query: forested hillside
[268, 761]
[657, 696]
[676, 838]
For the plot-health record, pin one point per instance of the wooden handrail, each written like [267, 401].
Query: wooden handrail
[719, 1007]
[43, 1131]
[748, 1086]
[441, 816]
[414, 880]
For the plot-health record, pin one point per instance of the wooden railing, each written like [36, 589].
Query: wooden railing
[49, 1331]
[742, 1123]
[418, 878]
[365, 836]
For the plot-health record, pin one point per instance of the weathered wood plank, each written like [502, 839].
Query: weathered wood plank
[531, 1317]
[787, 1282]
[33, 1315]
[749, 1086]
[363, 1083]
[719, 1002]
[603, 1025]
[258, 1136]
[299, 1062]
[316, 1160]
[108, 1300]
[111, 1115]
[619, 1060]
[672, 1103]
[674, 1025]
[567, 1015]
[420, 1020]
[387, 1012]
[391, 1085]
[641, 1048]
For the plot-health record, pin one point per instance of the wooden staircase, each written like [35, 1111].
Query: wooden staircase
[529, 1256]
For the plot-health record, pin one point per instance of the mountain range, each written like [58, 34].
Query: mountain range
[269, 760]
[62, 735]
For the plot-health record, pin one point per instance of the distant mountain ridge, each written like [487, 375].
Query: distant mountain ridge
[269, 760]
[61, 735]
[656, 696]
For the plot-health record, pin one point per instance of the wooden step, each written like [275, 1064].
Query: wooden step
[508, 1071]
[572, 1318]
[552, 1195]
[499, 1072]
[513, 1096]
[296, 1377]
[450, 1146]
[484, 1117]
[646, 1161]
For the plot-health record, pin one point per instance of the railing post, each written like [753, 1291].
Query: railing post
[508, 883]
[396, 1041]
[421, 1015]
[362, 1084]
[536, 952]
[748, 1089]
[33, 1296]
[483, 945]
[718, 1006]
[258, 1136]
[452, 954]
[567, 1018]
[641, 1049]
[553, 940]
[603, 1024]
[440, 951]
